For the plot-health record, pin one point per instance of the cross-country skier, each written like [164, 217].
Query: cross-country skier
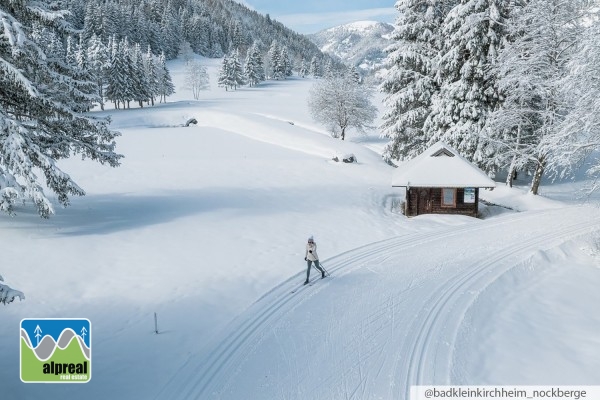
[312, 257]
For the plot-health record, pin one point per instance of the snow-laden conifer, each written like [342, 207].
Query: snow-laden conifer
[411, 81]
[315, 67]
[253, 67]
[472, 33]
[165, 84]
[40, 122]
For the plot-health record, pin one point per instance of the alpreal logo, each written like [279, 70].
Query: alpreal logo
[56, 350]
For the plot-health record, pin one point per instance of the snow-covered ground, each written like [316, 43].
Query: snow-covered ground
[206, 226]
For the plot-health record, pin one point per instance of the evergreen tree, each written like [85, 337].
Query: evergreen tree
[411, 81]
[275, 62]
[253, 67]
[315, 67]
[235, 70]
[286, 63]
[304, 69]
[141, 85]
[473, 31]
[98, 57]
[117, 77]
[151, 71]
[224, 79]
[7, 294]
[39, 118]
[165, 84]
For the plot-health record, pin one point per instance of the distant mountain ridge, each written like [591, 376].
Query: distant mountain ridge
[360, 44]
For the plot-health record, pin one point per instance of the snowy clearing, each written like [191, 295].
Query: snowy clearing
[206, 226]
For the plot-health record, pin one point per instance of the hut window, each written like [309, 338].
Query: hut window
[448, 197]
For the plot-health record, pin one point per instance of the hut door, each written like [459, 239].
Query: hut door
[424, 201]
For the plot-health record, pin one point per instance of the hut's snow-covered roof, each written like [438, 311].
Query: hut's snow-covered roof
[440, 166]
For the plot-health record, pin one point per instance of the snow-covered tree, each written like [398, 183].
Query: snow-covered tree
[165, 84]
[151, 70]
[531, 73]
[276, 67]
[253, 67]
[230, 73]
[579, 132]
[224, 78]
[411, 82]
[236, 70]
[315, 67]
[341, 103]
[473, 31]
[98, 58]
[7, 294]
[286, 63]
[138, 75]
[196, 78]
[304, 69]
[117, 87]
[39, 121]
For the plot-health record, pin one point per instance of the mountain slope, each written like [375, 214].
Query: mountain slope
[360, 44]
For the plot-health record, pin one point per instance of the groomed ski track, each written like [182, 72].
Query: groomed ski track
[388, 320]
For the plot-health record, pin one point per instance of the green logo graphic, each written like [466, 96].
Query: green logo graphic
[56, 350]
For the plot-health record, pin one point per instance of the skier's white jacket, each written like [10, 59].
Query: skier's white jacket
[311, 256]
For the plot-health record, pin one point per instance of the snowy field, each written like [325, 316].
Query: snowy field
[206, 226]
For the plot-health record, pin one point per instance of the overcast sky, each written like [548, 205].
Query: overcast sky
[310, 16]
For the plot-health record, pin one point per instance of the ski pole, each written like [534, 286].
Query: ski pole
[326, 272]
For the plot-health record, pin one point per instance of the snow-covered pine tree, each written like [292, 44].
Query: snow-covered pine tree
[7, 294]
[141, 84]
[472, 31]
[236, 70]
[286, 63]
[341, 103]
[315, 67]
[165, 84]
[151, 71]
[98, 58]
[275, 62]
[116, 77]
[354, 75]
[411, 82]
[304, 69]
[253, 67]
[39, 124]
[224, 78]
[329, 73]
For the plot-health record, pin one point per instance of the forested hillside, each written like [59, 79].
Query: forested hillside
[212, 27]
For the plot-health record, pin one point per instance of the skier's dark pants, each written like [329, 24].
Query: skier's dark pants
[308, 262]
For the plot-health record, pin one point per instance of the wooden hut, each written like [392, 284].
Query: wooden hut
[441, 181]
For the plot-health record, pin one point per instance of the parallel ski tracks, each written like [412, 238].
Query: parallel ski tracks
[210, 377]
[424, 365]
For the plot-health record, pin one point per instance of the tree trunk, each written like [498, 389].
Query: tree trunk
[343, 136]
[511, 174]
[537, 176]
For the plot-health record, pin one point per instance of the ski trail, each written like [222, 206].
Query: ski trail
[210, 377]
[430, 360]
